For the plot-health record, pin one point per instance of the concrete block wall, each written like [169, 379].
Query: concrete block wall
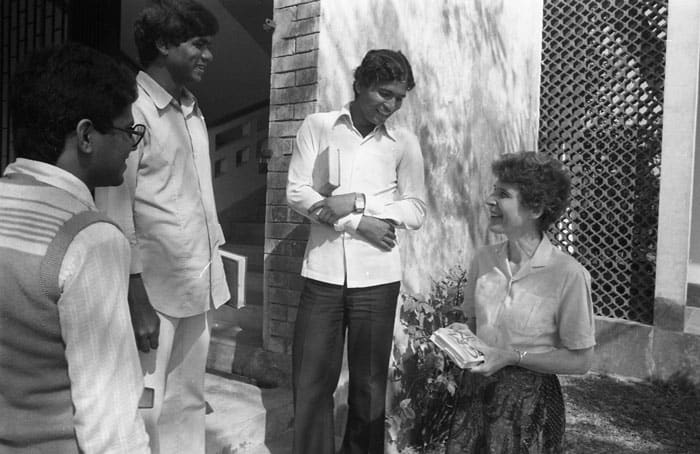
[294, 94]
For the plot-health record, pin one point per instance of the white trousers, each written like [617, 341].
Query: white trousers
[175, 371]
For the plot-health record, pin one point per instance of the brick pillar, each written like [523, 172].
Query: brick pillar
[293, 96]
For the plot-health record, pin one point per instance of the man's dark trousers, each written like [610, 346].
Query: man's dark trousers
[325, 311]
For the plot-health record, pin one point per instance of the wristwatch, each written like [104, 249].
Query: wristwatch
[359, 203]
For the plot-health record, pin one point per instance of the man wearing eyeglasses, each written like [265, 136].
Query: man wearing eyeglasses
[69, 369]
[166, 207]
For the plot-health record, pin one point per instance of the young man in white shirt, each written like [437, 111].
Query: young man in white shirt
[70, 372]
[352, 264]
[166, 207]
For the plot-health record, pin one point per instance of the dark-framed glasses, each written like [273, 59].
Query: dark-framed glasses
[136, 132]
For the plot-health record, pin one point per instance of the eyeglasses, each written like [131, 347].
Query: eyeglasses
[136, 132]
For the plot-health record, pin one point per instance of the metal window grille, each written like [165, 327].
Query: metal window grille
[601, 114]
[25, 25]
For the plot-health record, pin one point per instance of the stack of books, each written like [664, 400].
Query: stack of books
[460, 344]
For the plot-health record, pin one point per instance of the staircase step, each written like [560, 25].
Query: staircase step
[236, 346]
[247, 419]
[248, 318]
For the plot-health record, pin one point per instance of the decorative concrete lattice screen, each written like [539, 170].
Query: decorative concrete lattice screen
[601, 114]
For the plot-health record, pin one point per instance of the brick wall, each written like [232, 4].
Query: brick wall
[293, 96]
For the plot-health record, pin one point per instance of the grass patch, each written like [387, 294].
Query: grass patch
[609, 415]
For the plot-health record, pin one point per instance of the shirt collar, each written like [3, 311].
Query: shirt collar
[161, 98]
[539, 259]
[388, 129]
[543, 252]
[52, 176]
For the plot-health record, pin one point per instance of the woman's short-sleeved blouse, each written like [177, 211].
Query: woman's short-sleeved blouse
[545, 306]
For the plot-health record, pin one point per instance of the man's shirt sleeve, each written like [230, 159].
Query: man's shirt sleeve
[408, 210]
[103, 365]
[300, 192]
[575, 317]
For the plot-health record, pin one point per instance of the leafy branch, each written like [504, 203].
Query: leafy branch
[428, 381]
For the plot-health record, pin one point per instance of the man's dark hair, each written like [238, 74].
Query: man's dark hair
[171, 22]
[542, 180]
[384, 65]
[54, 88]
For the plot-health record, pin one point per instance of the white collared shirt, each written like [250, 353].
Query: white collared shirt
[103, 364]
[386, 166]
[166, 205]
[546, 305]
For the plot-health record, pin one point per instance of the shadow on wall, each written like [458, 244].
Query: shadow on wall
[476, 66]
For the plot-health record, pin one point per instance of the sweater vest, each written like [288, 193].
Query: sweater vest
[37, 224]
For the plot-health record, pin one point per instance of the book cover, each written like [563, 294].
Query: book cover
[460, 344]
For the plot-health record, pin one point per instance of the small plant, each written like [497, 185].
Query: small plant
[428, 381]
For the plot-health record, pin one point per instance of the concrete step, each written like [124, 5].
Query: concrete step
[236, 347]
[248, 318]
[247, 419]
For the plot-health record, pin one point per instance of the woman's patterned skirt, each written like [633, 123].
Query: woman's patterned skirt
[515, 411]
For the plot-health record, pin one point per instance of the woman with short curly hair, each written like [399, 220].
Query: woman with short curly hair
[530, 304]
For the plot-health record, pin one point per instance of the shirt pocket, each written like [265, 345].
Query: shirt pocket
[533, 315]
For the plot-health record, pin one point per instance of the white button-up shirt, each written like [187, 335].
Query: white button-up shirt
[386, 166]
[166, 205]
[546, 305]
[103, 365]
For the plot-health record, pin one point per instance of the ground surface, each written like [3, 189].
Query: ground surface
[606, 415]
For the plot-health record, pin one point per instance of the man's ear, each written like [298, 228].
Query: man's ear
[162, 47]
[84, 132]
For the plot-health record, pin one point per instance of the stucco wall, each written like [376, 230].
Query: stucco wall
[476, 65]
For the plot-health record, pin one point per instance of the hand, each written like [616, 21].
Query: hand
[379, 232]
[458, 326]
[332, 208]
[143, 317]
[495, 359]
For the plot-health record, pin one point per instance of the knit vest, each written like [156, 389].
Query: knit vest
[37, 224]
